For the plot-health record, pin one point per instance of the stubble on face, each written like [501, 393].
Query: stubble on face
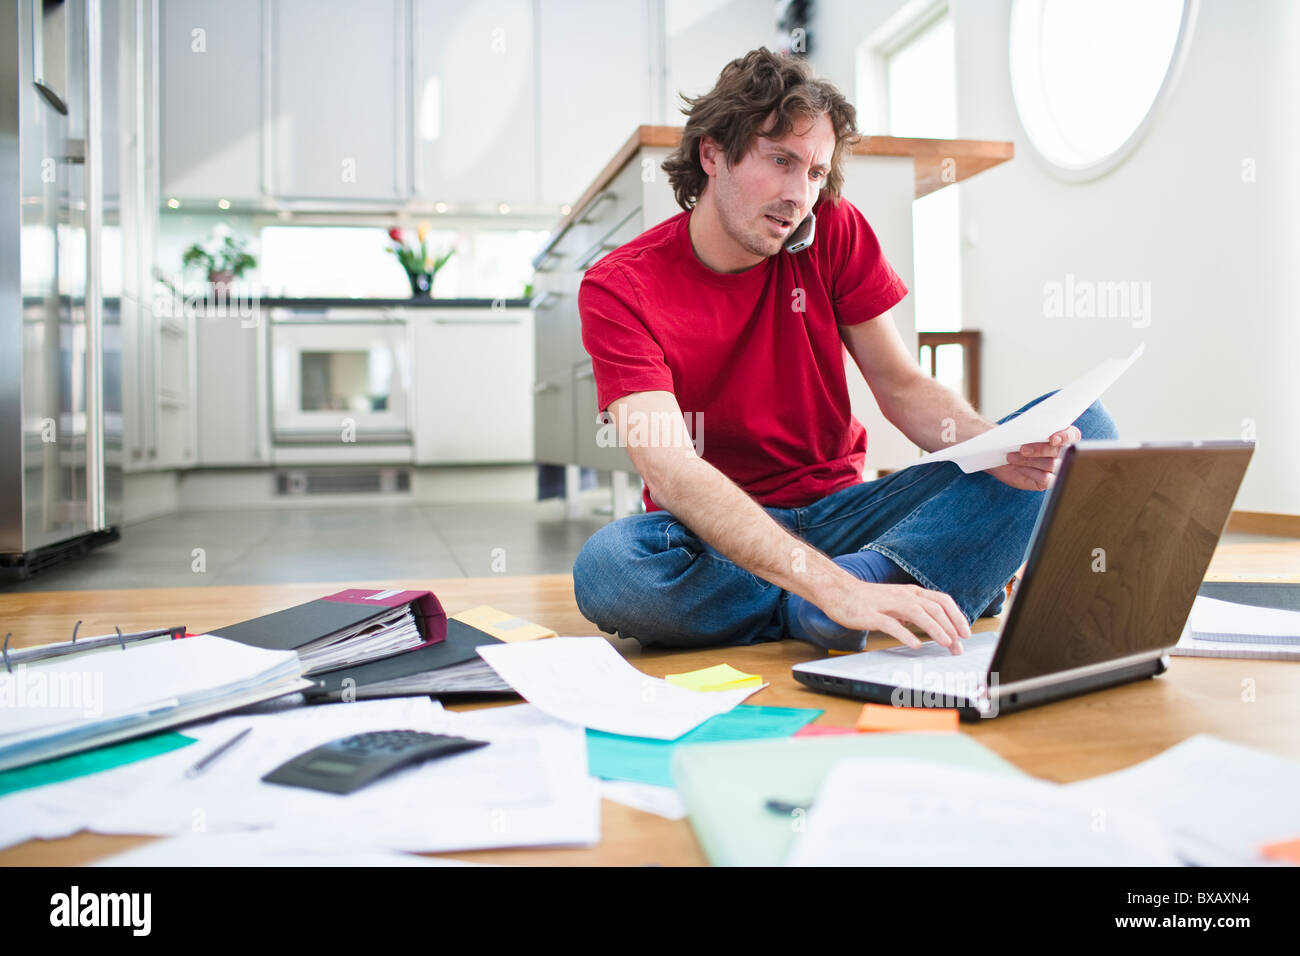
[738, 221]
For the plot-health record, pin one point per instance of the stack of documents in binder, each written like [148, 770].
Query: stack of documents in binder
[391, 634]
[78, 702]
[347, 628]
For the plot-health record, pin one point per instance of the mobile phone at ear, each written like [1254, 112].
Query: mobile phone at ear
[803, 235]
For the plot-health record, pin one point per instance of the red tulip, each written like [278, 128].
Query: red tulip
[396, 235]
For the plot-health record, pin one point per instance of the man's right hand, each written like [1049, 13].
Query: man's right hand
[865, 606]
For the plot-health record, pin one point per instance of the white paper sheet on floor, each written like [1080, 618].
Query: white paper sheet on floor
[585, 681]
[528, 788]
[885, 813]
[1218, 801]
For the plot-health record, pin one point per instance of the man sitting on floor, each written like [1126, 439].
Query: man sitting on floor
[769, 530]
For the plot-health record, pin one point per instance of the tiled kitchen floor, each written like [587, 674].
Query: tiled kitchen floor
[327, 544]
[373, 542]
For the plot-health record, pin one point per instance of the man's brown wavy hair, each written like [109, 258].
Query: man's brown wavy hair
[749, 91]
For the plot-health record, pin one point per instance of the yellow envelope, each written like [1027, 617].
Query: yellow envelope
[502, 626]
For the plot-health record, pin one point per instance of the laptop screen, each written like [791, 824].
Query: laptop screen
[1121, 546]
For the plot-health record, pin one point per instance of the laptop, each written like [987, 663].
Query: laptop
[1120, 548]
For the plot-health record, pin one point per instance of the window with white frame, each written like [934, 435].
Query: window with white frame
[1088, 74]
[915, 66]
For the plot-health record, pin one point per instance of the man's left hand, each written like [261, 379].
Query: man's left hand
[1033, 468]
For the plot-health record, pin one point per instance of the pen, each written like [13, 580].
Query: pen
[780, 806]
[207, 761]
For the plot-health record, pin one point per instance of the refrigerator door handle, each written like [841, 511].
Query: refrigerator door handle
[96, 501]
[38, 60]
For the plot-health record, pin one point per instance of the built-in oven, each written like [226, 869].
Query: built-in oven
[340, 375]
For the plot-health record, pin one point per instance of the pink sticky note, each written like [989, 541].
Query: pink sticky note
[823, 730]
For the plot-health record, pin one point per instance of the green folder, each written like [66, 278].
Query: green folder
[726, 786]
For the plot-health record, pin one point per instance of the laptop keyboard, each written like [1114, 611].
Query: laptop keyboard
[910, 667]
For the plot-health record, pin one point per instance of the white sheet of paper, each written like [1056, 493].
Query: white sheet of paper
[528, 788]
[665, 802]
[264, 848]
[1215, 620]
[585, 681]
[1218, 801]
[872, 812]
[1035, 424]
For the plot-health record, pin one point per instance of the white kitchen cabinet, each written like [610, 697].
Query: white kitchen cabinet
[175, 408]
[339, 72]
[233, 420]
[594, 84]
[473, 114]
[473, 382]
[210, 93]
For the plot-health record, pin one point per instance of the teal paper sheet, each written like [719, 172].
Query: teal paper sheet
[646, 760]
[90, 761]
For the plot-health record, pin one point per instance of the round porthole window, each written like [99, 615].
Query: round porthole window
[1088, 75]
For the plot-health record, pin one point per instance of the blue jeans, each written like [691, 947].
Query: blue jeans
[648, 577]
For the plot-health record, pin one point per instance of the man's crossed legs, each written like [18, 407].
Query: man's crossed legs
[648, 577]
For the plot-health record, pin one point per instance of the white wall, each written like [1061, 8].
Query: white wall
[702, 37]
[1222, 255]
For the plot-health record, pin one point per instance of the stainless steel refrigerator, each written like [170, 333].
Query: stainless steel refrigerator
[60, 349]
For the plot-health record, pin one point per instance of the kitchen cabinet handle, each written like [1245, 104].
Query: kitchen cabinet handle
[594, 253]
[548, 299]
[546, 261]
[443, 321]
[583, 374]
[544, 387]
[589, 214]
[318, 319]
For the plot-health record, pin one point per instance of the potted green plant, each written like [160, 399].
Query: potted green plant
[421, 268]
[224, 257]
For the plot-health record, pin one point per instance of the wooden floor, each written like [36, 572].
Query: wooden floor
[1251, 702]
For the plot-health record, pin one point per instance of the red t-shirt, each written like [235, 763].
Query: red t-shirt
[766, 380]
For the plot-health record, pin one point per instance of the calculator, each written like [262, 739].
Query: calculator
[348, 764]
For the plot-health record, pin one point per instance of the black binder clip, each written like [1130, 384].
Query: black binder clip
[5, 651]
[74, 631]
[120, 639]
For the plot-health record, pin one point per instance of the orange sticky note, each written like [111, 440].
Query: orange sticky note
[883, 717]
[1288, 851]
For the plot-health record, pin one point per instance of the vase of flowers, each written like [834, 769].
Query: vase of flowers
[421, 268]
[223, 256]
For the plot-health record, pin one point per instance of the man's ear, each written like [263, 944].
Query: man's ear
[711, 154]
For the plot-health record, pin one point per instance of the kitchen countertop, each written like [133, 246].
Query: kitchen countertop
[326, 302]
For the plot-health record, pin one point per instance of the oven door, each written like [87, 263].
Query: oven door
[340, 376]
